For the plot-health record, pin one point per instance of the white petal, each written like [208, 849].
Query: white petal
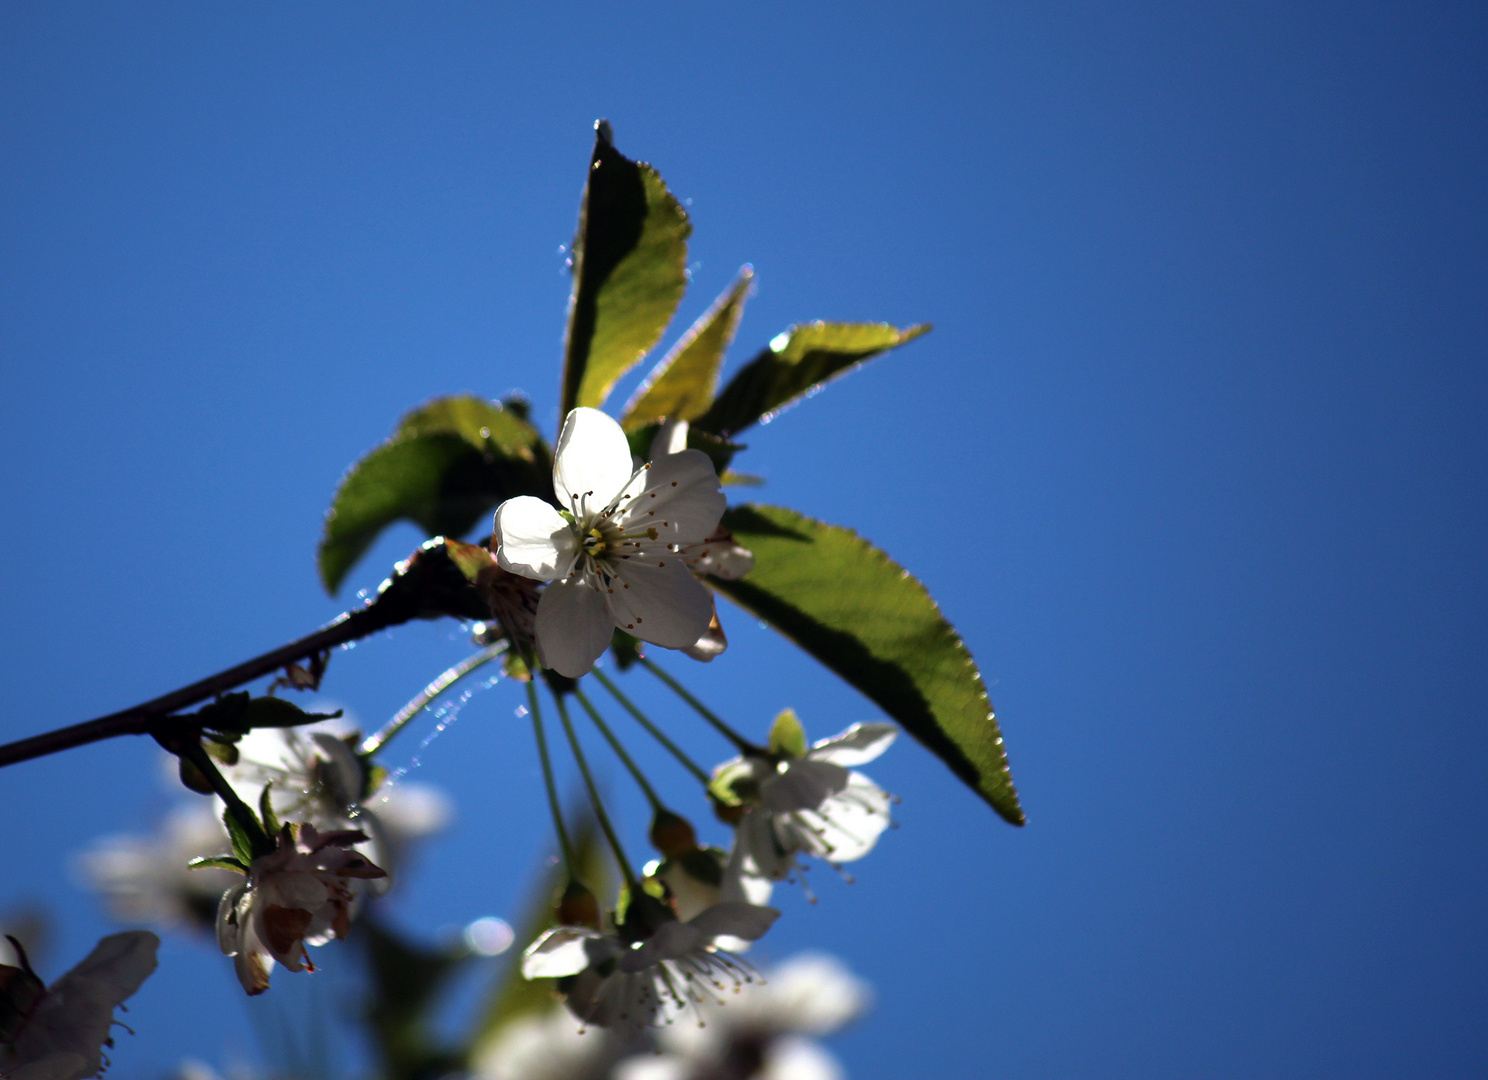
[119, 962]
[850, 822]
[748, 921]
[678, 494]
[791, 1057]
[533, 539]
[804, 785]
[229, 933]
[345, 773]
[592, 462]
[764, 853]
[658, 602]
[814, 993]
[670, 941]
[561, 951]
[856, 746]
[712, 644]
[670, 438]
[573, 627]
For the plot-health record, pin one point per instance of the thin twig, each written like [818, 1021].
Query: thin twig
[625, 758]
[373, 743]
[743, 745]
[654, 731]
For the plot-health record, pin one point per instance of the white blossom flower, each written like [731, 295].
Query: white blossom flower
[632, 984]
[314, 776]
[548, 1045]
[612, 556]
[762, 1035]
[815, 804]
[58, 1033]
[298, 895]
[146, 878]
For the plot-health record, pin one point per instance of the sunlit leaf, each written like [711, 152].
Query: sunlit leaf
[217, 862]
[863, 616]
[630, 271]
[798, 363]
[681, 385]
[449, 463]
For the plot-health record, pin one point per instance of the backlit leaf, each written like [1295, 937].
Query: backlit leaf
[797, 363]
[863, 616]
[449, 463]
[682, 384]
[630, 271]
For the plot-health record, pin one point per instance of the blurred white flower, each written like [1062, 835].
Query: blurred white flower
[146, 878]
[632, 984]
[762, 1034]
[314, 775]
[548, 1045]
[612, 555]
[298, 895]
[58, 1033]
[815, 804]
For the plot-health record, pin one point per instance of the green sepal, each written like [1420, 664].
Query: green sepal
[473, 560]
[736, 783]
[682, 384]
[630, 271]
[625, 649]
[193, 778]
[704, 864]
[866, 618]
[222, 747]
[795, 364]
[242, 840]
[373, 776]
[218, 862]
[266, 810]
[787, 736]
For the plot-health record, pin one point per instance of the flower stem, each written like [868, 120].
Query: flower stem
[655, 732]
[634, 769]
[547, 768]
[374, 743]
[743, 745]
[191, 749]
[599, 810]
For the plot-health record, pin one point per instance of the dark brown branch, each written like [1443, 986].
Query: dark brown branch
[426, 586]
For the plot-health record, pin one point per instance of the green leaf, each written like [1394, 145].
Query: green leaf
[218, 862]
[787, 736]
[450, 462]
[796, 364]
[681, 386]
[862, 615]
[630, 271]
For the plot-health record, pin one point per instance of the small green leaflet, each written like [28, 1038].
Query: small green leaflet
[450, 462]
[630, 271]
[796, 363]
[864, 617]
[682, 384]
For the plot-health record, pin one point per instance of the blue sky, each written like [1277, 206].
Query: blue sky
[1194, 459]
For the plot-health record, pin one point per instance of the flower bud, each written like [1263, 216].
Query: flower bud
[672, 834]
[577, 907]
